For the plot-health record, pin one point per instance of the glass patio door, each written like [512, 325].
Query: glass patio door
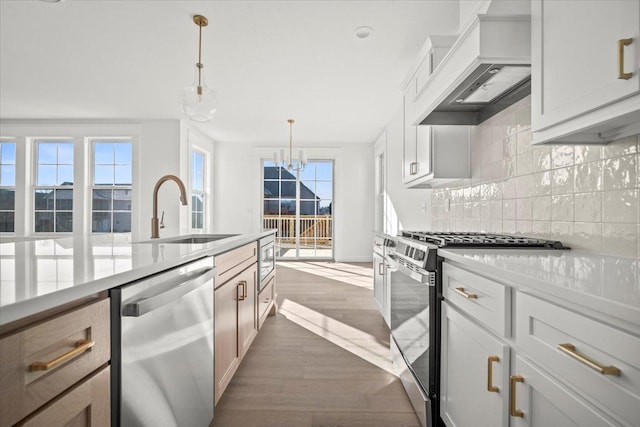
[299, 204]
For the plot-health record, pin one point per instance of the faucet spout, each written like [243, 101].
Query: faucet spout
[155, 229]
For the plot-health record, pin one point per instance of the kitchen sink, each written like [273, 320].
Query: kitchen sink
[193, 239]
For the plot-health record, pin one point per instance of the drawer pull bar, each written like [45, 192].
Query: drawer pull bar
[466, 294]
[570, 349]
[80, 347]
[490, 386]
[513, 411]
[621, 44]
[243, 295]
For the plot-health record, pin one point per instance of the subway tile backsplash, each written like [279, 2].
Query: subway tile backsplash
[586, 196]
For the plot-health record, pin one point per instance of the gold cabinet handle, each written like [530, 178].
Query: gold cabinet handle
[243, 295]
[513, 411]
[570, 349]
[621, 44]
[79, 347]
[413, 168]
[490, 386]
[466, 294]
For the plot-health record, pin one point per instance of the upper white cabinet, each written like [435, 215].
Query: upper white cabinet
[431, 154]
[585, 66]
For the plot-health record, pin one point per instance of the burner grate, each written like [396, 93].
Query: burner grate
[488, 240]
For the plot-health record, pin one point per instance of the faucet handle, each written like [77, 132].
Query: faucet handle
[162, 220]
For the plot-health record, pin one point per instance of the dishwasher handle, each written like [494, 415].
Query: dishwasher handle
[143, 306]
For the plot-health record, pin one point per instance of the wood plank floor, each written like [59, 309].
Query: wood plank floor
[322, 361]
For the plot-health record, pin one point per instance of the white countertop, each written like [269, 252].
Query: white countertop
[608, 285]
[36, 275]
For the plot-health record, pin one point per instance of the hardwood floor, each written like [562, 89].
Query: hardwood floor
[322, 361]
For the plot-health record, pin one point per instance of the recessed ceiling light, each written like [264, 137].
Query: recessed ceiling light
[363, 32]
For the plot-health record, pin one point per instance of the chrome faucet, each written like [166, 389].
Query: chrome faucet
[155, 230]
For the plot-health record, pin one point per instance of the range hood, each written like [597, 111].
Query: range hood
[487, 69]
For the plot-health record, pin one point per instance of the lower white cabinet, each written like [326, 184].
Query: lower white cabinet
[474, 374]
[381, 287]
[539, 400]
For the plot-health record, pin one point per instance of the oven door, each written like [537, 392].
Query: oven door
[412, 301]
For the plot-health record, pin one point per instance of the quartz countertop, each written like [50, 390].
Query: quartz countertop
[36, 275]
[608, 285]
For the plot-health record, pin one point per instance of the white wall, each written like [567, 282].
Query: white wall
[238, 187]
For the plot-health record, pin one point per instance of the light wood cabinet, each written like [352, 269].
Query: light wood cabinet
[585, 78]
[267, 299]
[235, 316]
[39, 362]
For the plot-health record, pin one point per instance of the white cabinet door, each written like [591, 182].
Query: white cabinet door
[378, 281]
[423, 151]
[540, 401]
[409, 161]
[474, 374]
[575, 57]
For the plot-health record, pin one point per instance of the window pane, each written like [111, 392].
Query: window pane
[102, 200]
[197, 203]
[197, 220]
[65, 153]
[287, 207]
[285, 174]
[7, 199]
[309, 172]
[307, 208]
[307, 190]
[44, 222]
[271, 207]
[324, 171]
[121, 200]
[271, 189]
[65, 175]
[271, 172]
[122, 175]
[47, 153]
[8, 175]
[46, 175]
[324, 190]
[103, 154]
[64, 200]
[101, 222]
[325, 207]
[43, 200]
[123, 153]
[288, 189]
[8, 153]
[103, 175]
[122, 222]
[64, 222]
[7, 221]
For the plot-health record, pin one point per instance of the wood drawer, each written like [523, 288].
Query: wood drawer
[231, 263]
[266, 299]
[542, 327]
[87, 404]
[487, 301]
[24, 391]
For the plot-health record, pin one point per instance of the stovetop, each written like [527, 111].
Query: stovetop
[480, 240]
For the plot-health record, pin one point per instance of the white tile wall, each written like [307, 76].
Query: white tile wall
[587, 196]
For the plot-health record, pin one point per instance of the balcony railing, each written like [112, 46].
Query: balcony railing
[315, 229]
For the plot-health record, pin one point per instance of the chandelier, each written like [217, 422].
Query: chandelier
[198, 102]
[285, 159]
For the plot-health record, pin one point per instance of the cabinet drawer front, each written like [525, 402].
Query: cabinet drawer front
[483, 299]
[64, 343]
[231, 263]
[87, 404]
[266, 299]
[542, 327]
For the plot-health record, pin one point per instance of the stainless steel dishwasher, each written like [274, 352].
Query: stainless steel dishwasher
[162, 348]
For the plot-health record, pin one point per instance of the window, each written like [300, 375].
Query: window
[112, 180]
[7, 186]
[197, 190]
[53, 194]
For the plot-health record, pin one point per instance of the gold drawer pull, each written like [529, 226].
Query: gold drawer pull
[80, 347]
[570, 349]
[465, 294]
[490, 386]
[513, 411]
[621, 44]
[243, 295]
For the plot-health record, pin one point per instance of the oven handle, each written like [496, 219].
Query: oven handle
[193, 282]
[396, 266]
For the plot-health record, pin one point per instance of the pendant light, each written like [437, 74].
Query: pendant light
[198, 102]
[284, 159]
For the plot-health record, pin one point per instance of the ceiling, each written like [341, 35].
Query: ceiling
[268, 60]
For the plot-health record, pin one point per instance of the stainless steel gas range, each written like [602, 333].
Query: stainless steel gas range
[415, 299]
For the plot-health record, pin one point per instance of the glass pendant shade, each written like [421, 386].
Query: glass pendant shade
[198, 102]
